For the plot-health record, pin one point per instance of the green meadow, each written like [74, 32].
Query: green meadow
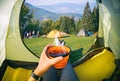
[79, 45]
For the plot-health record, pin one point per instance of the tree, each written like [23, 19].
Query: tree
[30, 18]
[86, 19]
[23, 18]
[67, 25]
[56, 25]
[71, 25]
[24, 15]
[78, 25]
[46, 26]
[63, 24]
[90, 20]
[95, 14]
[33, 26]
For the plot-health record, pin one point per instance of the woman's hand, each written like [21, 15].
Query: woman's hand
[45, 63]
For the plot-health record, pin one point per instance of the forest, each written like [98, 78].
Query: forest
[88, 22]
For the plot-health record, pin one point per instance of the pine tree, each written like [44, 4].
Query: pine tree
[78, 25]
[95, 14]
[86, 19]
[90, 19]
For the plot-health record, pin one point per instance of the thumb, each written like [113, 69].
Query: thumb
[57, 59]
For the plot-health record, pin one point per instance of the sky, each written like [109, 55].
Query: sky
[50, 2]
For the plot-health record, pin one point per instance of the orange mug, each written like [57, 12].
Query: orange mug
[56, 51]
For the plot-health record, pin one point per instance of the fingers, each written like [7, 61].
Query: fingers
[53, 60]
[57, 59]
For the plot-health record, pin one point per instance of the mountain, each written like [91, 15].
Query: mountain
[41, 14]
[44, 14]
[66, 7]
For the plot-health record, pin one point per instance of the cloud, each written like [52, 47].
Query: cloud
[67, 10]
[84, 1]
[64, 9]
[48, 2]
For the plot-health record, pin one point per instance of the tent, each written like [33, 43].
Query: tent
[54, 33]
[96, 65]
[81, 33]
[64, 34]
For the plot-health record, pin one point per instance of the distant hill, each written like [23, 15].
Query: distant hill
[43, 14]
[66, 7]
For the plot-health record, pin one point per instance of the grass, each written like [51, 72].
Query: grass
[78, 45]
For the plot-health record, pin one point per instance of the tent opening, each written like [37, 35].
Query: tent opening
[39, 23]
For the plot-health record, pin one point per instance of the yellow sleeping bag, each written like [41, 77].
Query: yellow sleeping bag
[97, 68]
[19, 74]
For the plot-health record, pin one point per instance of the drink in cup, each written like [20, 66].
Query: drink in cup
[56, 51]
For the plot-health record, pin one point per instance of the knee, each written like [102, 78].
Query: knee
[68, 66]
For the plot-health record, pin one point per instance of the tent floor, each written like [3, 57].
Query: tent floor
[16, 66]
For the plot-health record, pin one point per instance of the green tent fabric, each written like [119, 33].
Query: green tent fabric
[15, 49]
[5, 12]
[12, 48]
[108, 29]
[109, 24]
[109, 17]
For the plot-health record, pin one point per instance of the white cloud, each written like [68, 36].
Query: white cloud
[64, 9]
[68, 10]
[84, 1]
[48, 2]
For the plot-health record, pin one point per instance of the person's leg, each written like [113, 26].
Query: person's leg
[68, 74]
[51, 75]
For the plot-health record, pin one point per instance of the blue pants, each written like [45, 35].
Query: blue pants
[66, 74]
